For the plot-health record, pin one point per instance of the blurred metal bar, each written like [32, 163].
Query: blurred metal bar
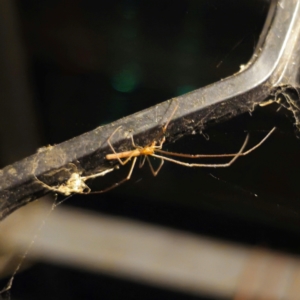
[152, 254]
[275, 63]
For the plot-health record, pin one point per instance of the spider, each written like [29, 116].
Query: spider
[156, 147]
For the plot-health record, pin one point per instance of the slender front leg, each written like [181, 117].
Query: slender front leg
[120, 182]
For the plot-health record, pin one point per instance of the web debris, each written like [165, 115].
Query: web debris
[288, 97]
[75, 184]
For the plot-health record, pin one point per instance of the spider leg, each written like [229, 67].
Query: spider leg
[194, 156]
[161, 142]
[142, 161]
[259, 144]
[164, 129]
[236, 156]
[155, 172]
[133, 143]
[113, 149]
[84, 178]
[118, 183]
[122, 162]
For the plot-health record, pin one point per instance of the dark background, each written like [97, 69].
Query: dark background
[91, 62]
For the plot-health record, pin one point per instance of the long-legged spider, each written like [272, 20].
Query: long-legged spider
[156, 147]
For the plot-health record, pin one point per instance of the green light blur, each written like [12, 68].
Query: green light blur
[127, 79]
[184, 89]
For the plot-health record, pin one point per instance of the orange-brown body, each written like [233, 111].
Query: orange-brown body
[149, 150]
